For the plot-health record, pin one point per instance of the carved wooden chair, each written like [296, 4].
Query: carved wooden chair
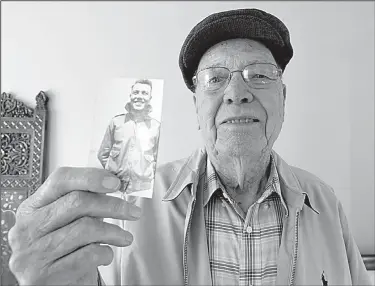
[22, 155]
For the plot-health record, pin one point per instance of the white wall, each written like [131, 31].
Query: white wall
[71, 50]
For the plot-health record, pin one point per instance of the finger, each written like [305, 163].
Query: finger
[67, 179]
[84, 259]
[42, 270]
[78, 204]
[79, 267]
[75, 277]
[82, 232]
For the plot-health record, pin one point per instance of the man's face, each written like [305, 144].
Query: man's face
[226, 116]
[140, 95]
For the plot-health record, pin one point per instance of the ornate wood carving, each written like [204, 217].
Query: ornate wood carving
[11, 107]
[15, 153]
[22, 151]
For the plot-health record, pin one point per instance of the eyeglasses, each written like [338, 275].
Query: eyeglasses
[258, 76]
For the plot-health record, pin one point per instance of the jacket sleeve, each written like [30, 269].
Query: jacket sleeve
[106, 145]
[358, 271]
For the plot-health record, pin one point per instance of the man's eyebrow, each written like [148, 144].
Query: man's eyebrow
[259, 62]
[218, 65]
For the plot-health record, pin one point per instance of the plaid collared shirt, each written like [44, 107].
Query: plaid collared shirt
[243, 247]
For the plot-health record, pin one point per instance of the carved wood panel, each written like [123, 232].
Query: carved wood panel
[22, 152]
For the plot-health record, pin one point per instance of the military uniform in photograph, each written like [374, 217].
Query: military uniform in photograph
[129, 149]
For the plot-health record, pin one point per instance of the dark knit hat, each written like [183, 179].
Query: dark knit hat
[242, 23]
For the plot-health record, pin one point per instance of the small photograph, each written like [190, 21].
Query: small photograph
[127, 129]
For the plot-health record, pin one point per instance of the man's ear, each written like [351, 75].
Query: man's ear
[195, 102]
[196, 110]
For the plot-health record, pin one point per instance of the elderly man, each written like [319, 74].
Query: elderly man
[130, 143]
[233, 213]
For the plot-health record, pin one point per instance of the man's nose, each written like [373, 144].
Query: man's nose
[237, 91]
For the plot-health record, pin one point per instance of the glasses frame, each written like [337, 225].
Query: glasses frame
[195, 77]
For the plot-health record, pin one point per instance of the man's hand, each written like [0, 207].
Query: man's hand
[59, 230]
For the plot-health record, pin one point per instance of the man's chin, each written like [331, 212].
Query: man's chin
[239, 144]
[238, 149]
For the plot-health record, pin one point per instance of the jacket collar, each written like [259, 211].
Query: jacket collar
[144, 116]
[290, 186]
[194, 167]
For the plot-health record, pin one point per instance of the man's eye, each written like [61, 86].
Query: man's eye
[215, 79]
[135, 92]
[259, 76]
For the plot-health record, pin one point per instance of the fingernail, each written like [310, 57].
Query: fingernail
[111, 183]
[135, 211]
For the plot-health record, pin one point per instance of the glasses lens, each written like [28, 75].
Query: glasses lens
[260, 75]
[212, 78]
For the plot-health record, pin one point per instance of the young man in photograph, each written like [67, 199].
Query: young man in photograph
[129, 146]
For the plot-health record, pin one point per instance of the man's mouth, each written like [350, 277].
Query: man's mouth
[139, 101]
[239, 120]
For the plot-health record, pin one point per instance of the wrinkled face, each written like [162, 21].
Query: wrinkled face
[239, 119]
[140, 95]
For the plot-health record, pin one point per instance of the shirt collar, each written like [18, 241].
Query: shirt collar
[213, 183]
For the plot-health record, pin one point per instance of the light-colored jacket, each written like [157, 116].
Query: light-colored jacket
[170, 243]
[129, 149]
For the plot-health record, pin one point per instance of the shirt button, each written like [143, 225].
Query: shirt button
[249, 229]
[266, 206]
